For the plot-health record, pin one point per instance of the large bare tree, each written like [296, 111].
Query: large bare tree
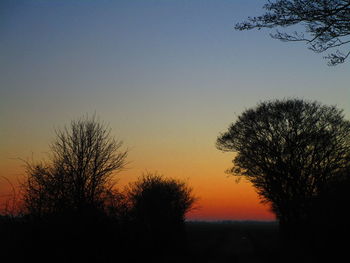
[326, 24]
[79, 174]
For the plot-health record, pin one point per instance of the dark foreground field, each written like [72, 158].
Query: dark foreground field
[233, 242]
[206, 242]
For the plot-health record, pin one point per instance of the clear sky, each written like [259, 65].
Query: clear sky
[167, 75]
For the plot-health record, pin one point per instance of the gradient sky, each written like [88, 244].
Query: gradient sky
[167, 75]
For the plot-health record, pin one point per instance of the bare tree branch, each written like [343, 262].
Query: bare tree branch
[326, 22]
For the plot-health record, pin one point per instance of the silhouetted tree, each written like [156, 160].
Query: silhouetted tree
[326, 22]
[289, 150]
[158, 206]
[79, 174]
[69, 201]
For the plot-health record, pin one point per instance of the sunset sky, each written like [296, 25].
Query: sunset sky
[167, 75]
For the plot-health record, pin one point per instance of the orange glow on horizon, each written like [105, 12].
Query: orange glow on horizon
[219, 197]
[224, 199]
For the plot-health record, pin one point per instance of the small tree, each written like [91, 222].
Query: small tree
[158, 206]
[289, 150]
[154, 198]
[326, 22]
[79, 174]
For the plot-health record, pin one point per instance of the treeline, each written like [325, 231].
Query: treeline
[72, 211]
[296, 153]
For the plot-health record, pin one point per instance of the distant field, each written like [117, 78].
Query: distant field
[233, 241]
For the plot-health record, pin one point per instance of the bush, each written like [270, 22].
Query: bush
[158, 206]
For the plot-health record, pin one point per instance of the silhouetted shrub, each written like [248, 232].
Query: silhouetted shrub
[158, 206]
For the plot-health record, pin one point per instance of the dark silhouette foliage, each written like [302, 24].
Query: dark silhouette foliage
[290, 150]
[158, 208]
[154, 196]
[326, 23]
[328, 224]
[79, 174]
[71, 210]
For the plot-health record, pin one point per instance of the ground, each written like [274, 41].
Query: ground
[234, 242]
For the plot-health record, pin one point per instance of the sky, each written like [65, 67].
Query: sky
[168, 76]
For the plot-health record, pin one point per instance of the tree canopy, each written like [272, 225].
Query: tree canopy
[326, 23]
[289, 150]
[156, 198]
